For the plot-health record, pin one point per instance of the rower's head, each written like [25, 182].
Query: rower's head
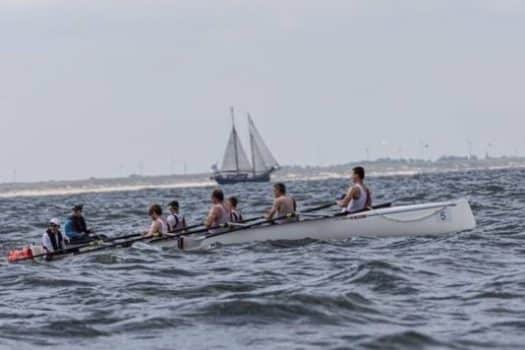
[54, 225]
[174, 207]
[217, 196]
[279, 189]
[233, 201]
[77, 210]
[358, 174]
[155, 211]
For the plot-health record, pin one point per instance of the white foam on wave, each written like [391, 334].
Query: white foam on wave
[70, 190]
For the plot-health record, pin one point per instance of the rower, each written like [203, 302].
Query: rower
[76, 228]
[283, 204]
[218, 214]
[176, 221]
[158, 224]
[231, 205]
[53, 240]
[358, 197]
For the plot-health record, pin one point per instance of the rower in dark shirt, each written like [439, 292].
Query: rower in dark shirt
[76, 228]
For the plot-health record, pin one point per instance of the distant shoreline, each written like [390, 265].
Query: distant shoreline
[382, 167]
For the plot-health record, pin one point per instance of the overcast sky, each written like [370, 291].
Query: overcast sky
[93, 88]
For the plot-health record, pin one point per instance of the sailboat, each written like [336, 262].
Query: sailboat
[236, 167]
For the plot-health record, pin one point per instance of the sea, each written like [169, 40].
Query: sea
[464, 290]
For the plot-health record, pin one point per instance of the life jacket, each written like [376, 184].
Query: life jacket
[57, 244]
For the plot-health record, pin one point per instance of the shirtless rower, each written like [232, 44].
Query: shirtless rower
[358, 197]
[218, 213]
[283, 204]
[158, 224]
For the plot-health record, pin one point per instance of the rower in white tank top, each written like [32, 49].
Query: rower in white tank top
[358, 196]
[359, 204]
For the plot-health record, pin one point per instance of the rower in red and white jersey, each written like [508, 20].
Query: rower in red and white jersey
[218, 214]
[176, 221]
[358, 197]
[231, 205]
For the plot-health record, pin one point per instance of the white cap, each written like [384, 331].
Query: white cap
[54, 221]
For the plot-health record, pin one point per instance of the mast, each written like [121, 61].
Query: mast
[252, 147]
[235, 140]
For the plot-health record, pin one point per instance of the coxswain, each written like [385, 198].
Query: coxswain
[231, 205]
[53, 240]
[176, 221]
[283, 204]
[159, 226]
[76, 228]
[358, 197]
[218, 214]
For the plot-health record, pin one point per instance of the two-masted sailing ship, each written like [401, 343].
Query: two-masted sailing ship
[236, 167]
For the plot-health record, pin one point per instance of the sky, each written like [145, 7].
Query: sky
[106, 88]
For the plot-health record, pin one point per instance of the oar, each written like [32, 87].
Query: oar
[243, 225]
[79, 248]
[173, 235]
[204, 230]
[120, 238]
[321, 207]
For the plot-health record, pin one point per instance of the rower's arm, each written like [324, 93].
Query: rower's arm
[46, 243]
[347, 199]
[212, 217]
[273, 211]
[154, 229]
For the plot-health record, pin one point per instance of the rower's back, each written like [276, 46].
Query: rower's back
[285, 206]
[219, 214]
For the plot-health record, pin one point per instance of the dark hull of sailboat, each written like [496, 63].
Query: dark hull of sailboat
[230, 179]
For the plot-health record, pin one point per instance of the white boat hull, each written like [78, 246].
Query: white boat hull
[425, 219]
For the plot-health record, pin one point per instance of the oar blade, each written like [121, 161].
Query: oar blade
[20, 255]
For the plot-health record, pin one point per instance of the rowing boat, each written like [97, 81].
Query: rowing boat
[384, 221]
[411, 220]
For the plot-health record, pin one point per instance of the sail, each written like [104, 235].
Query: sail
[257, 159]
[235, 158]
[262, 158]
